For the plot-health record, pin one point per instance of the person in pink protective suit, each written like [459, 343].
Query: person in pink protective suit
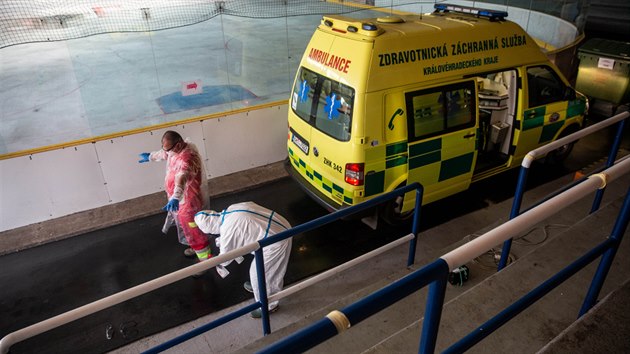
[185, 187]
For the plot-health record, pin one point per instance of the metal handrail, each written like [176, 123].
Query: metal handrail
[7, 341]
[543, 150]
[282, 294]
[338, 269]
[308, 226]
[326, 219]
[434, 275]
[20, 335]
[480, 245]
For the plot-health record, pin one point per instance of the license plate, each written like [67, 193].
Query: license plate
[300, 142]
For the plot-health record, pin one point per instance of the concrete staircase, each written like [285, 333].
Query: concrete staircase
[397, 329]
[603, 329]
[534, 328]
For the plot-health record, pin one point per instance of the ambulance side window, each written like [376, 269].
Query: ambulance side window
[440, 110]
[544, 86]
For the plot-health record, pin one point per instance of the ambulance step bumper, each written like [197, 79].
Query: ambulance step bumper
[318, 196]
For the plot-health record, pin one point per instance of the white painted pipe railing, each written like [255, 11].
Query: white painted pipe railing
[73, 315]
[329, 273]
[523, 222]
[534, 154]
[112, 300]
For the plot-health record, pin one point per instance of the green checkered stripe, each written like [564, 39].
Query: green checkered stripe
[430, 152]
[317, 179]
[535, 119]
[395, 155]
[420, 155]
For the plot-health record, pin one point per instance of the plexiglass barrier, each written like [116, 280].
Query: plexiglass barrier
[87, 69]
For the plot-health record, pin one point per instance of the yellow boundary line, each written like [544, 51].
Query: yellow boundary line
[138, 130]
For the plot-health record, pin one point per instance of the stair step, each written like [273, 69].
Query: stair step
[543, 321]
[305, 307]
[592, 332]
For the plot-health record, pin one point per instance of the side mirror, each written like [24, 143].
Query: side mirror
[569, 94]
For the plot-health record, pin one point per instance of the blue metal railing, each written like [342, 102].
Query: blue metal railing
[620, 119]
[28, 332]
[326, 328]
[308, 226]
[434, 275]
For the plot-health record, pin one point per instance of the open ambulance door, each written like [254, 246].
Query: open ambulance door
[442, 135]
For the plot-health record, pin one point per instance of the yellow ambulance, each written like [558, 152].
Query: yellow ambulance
[445, 99]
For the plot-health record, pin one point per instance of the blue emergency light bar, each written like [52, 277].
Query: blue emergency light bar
[491, 14]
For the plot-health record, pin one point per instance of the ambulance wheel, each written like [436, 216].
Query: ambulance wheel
[391, 213]
[560, 154]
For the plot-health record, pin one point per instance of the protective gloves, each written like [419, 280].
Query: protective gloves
[144, 157]
[172, 205]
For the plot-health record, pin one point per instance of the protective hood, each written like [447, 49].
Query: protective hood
[209, 221]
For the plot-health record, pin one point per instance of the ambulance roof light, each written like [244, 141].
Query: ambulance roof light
[491, 14]
[369, 26]
[345, 25]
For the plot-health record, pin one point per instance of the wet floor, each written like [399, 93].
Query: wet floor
[48, 280]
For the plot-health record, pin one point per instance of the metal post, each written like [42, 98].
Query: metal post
[304, 339]
[200, 330]
[415, 228]
[433, 314]
[604, 265]
[516, 207]
[612, 155]
[262, 290]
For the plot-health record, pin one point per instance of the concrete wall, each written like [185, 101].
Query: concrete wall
[554, 31]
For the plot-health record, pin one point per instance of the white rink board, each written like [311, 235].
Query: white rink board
[61, 182]
[49, 185]
[231, 148]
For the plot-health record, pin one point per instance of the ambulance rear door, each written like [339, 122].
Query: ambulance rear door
[326, 117]
[442, 133]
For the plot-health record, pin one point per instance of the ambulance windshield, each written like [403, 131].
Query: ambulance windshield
[323, 103]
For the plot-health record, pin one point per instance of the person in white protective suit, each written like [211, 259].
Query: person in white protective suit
[244, 223]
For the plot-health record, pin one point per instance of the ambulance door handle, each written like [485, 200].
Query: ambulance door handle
[469, 135]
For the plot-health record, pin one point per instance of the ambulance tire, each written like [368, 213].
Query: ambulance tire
[557, 156]
[560, 154]
[390, 212]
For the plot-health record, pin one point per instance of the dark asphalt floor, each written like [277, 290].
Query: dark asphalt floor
[48, 280]
[51, 279]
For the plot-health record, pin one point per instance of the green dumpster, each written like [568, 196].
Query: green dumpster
[604, 73]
